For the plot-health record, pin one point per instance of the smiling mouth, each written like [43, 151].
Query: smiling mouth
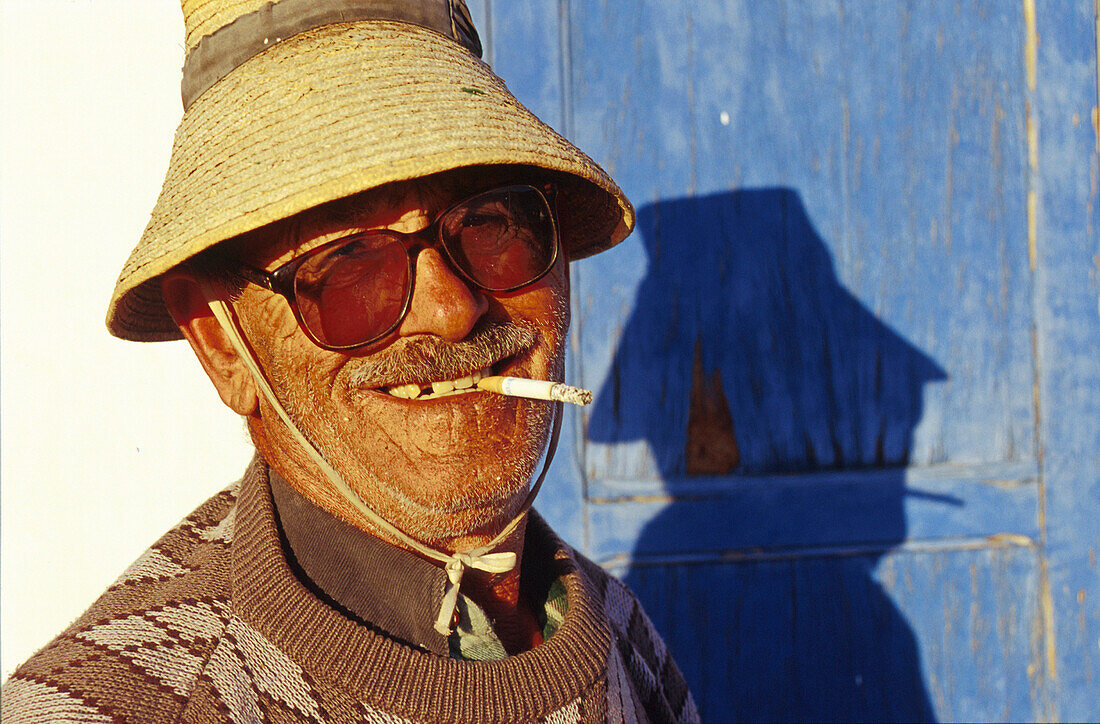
[442, 388]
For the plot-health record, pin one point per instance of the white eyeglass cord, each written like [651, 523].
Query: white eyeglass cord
[455, 564]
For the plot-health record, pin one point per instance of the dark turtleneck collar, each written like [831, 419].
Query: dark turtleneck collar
[369, 580]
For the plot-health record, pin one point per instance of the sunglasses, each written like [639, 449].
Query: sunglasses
[357, 289]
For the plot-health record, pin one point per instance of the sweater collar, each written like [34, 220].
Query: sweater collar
[387, 674]
[368, 579]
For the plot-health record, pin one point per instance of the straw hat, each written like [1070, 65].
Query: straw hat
[295, 103]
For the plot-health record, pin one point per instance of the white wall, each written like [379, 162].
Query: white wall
[105, 444]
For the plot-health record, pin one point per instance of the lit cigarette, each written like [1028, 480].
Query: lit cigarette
[535, 389]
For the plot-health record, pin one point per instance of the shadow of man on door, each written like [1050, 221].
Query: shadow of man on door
[797, 406]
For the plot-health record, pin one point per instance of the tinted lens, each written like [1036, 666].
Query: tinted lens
[355, 292]
[502, 239]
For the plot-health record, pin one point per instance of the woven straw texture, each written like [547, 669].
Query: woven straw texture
[329, 113]
[203, 17]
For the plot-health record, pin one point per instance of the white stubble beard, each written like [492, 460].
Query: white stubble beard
[458, 514]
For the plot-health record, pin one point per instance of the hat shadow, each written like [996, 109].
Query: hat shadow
[771, 374]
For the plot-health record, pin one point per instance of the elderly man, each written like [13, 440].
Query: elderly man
[363, 237]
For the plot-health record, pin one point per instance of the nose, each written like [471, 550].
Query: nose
[442, 303]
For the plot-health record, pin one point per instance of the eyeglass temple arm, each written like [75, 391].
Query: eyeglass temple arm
[243, 271]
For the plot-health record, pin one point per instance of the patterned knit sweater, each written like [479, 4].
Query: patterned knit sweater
[211, 625]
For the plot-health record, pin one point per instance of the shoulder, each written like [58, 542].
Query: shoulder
[136, 653]
[639, 654]
[643, 681]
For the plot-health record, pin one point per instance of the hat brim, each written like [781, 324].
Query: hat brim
[330, 113]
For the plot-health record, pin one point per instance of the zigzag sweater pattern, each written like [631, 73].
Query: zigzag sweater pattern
[211, 625]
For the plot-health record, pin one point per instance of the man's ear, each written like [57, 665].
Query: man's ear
[186, 303]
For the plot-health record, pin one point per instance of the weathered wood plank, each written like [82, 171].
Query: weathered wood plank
[880, 508]
[1066, 240]
[528, 53]
[836, 638]
[832, 203]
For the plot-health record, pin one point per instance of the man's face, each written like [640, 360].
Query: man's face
[440, 467]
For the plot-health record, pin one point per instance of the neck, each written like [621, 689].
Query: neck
[501, 597]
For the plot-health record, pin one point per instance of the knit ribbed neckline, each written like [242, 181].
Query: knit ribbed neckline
[400, 679]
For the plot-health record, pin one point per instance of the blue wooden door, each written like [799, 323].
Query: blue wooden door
[846, 437]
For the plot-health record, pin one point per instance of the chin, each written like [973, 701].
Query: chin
[466, 490]
[430, 522]
[480, 504]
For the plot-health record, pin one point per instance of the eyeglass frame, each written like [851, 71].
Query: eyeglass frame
[281, 279]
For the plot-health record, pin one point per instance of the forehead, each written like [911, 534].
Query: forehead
[374, 208]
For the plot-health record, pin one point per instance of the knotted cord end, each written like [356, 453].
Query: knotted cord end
[456, 566]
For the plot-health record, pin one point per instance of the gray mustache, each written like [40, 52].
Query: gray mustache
[425, 359]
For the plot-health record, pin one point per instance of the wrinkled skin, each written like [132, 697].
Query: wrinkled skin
[441, 470]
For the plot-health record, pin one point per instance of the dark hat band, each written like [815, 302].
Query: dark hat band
[217, 54]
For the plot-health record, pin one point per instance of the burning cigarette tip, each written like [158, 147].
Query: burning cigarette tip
[573, 395]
